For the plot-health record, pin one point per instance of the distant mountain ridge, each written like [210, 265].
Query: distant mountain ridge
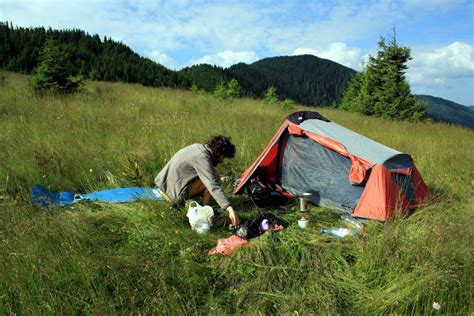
[306, 79]
[443, 110]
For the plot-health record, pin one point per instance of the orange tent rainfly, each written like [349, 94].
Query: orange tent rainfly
[342, 169]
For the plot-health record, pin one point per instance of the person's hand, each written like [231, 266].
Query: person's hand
[234, 219]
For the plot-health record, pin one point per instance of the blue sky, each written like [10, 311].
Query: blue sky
[181, 33]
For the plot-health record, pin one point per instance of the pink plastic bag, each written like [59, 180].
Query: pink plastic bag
[227, 246]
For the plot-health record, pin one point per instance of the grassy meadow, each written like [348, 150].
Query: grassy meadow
[142, 258]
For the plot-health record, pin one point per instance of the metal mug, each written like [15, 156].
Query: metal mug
[304, 201]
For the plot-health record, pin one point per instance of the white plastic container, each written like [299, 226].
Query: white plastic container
[303, 223]
[200, 217]
[202, 228]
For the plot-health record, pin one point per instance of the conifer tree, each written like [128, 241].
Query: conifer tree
[233, 89]
[350, 100]
[382, 89]
[271, 95]
[227, 91]
[220, 90]
[53, 72]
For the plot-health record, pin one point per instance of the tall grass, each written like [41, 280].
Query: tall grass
[142, 258]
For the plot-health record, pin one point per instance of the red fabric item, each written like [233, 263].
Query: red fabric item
[227, 246]
[266, 161]
[278, 227]
[358, 172]
[380, 197]
[422, 193]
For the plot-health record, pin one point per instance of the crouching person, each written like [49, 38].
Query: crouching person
[192, 172]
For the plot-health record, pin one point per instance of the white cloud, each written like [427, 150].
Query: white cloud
[436, 66]
[162, 59]
[227, 58]
[446, 71]
[201, 27]
[341, 21]
[338, 52]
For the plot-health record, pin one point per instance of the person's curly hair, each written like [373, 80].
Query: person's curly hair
[221, 145]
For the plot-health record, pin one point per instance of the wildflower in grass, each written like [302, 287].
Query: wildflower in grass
[436, 305]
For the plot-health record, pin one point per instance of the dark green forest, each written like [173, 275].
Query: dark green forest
[205, 76]
[321, 83]
[91, 57]
[442, 110]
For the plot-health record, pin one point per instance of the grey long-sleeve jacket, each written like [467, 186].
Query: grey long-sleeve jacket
[182, 170]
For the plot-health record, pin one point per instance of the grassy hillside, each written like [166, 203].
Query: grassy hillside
[142, 258]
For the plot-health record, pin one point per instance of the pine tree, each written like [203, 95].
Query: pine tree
[382, 89]
[233, 89]
[271, 96]
[53, 72]
[220, 90]
[288, 104]
[350, 98]
[194, 88]
[227, 91]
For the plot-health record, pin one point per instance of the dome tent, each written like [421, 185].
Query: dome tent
[342, 169]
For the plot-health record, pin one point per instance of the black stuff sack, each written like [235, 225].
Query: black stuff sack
[265, 195]
[259, 225]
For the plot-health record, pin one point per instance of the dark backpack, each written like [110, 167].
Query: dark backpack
[264, 194]
[259, 225]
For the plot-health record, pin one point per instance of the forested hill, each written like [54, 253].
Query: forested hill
[306, 79]
[90, 56]
[205, 76]
[448, 111]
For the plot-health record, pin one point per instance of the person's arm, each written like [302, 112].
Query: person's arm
[234, 219]
[210, 178]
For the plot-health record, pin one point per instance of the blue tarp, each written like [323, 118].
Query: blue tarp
[41, 196]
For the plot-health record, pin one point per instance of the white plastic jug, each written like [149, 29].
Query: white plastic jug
[200, 217]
